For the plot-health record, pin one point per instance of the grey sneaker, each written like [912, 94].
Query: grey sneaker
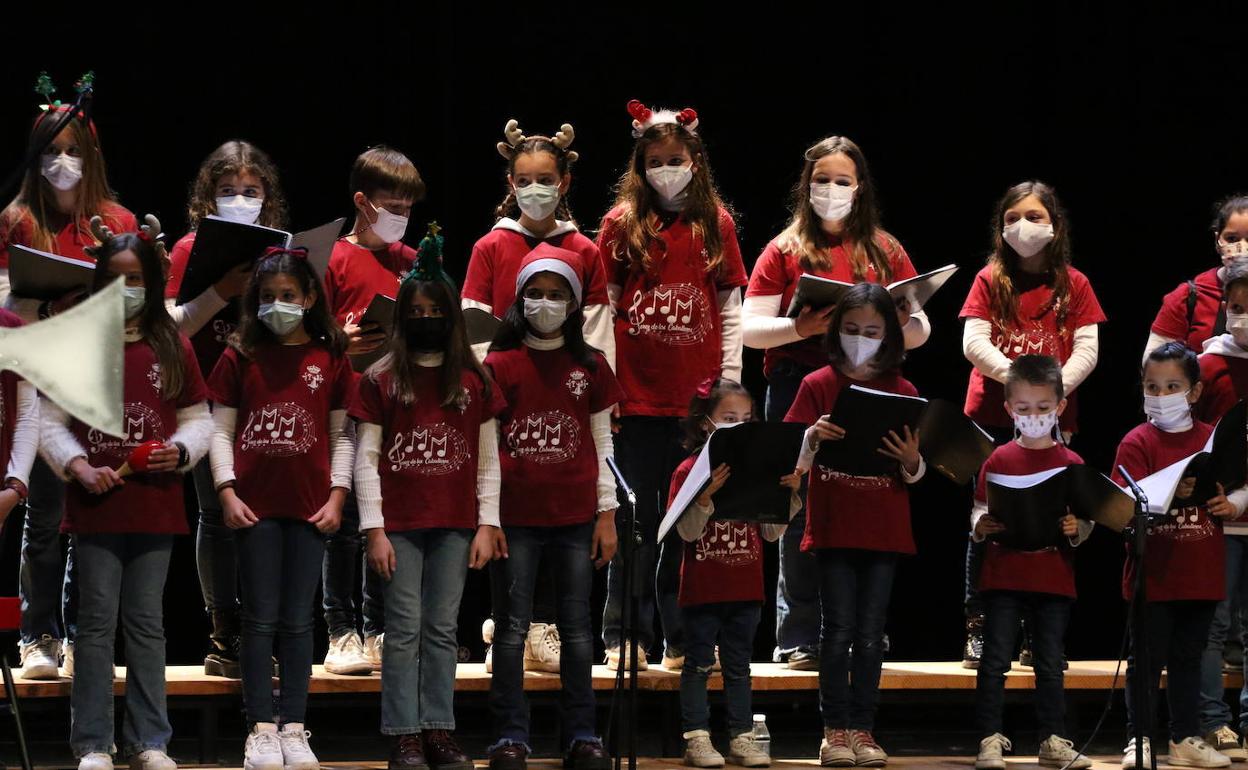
[699, 751]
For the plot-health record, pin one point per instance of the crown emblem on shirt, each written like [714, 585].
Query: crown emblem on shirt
[577, 383]
[313, 377]
[153, 376]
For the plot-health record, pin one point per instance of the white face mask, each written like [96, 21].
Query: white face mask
[1237, 326]
[831, 201]
[134, 297]
[1232, 251]
[1036, 425]
[240, 209]
[282, 318]
[538, 201]
[670, 181]
[545, 315]
[1171, 413]
[62, 171]
[1027, 238]
[859, 349]
[388, 227]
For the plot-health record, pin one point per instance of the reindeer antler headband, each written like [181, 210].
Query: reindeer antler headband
[514, 136]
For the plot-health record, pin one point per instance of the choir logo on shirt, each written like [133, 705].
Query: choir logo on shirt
[729, 543]
[1186, 525]
[221, 330]
[855, 482]
[577, 383]
[1035, 340]
[544, 437]
[153, 376]
[278, 430]
[428, 450]
[673, 313]
[142, 423]
[312, 377]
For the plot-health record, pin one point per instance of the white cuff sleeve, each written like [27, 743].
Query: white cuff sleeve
[194, 432]
[1155, 341]
[341, 450]
[192, 316]
[917, 330]
[56, 444]
[599, 331]
[221, 449]
[367, 478]
[692, 523]
[810, 445]
[978, 348]
[978, 510]
[25, 434]
[489, 475]
[1085, 531]
[918, 474]
[600, 429]
[730, 334]
[762, 325]
[1238, 500]
[1082, 358]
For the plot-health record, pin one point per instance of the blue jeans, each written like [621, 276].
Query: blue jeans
[854, 589]
[121, 575]
[1214, 711]
[972, 605]
[421, 646]
[1047, 616]
[47, 586]
[216, 552]
[732, 625]
[279, 567]
[569, 550]
[344, 565]
[648, 450]
[797, 591]
[1176, 640]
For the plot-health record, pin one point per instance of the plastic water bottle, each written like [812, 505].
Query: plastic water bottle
[762, 737]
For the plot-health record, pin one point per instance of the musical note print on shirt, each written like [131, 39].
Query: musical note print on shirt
[221, 330]
[728, 542]
[428, 450]
[1185, 524]
[673, 313]
[544, 437]
[1033, 340]
[278, 430]
[142, 424]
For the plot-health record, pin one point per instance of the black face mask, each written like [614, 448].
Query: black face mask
[426, 335]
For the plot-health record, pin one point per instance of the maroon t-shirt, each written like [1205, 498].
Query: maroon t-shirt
[1171, 321]
[1226, 383]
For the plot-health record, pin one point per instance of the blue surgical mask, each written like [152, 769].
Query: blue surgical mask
[282, 318]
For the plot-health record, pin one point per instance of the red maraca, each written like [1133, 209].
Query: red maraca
[139, 458]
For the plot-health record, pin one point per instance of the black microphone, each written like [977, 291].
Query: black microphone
[1135, 489]
[619, 479]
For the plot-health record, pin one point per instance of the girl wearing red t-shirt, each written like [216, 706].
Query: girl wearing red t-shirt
[857, 526]
[1028, 300]
[673, 265]
[834, 233]
[281, 462]
[122, 529]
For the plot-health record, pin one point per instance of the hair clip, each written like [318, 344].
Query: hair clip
[299, 252]
[706, 387]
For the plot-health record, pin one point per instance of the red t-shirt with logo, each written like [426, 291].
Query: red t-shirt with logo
[355, 275]
[1171, 321]
[428, 463]
[71, 240]
[1226, 384]
[871, 513]
[284, 395]
[496, 259]
[1035, 331]
[547, 453]
[149, 503]
[667, 325]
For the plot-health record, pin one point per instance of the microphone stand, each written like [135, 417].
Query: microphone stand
[630, 541]
[1142, 678]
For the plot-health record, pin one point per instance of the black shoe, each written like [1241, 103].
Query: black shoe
[974, 648]
[587, 755]
[407, 753]
[803, 660]
[510, 756]
[222, 657]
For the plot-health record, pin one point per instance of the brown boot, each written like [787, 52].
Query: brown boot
[443, 752]
[407, 753]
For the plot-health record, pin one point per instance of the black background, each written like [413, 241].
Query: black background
[1135, 114]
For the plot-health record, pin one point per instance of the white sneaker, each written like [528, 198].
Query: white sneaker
[372, 650]
[1226, 741]
[152, 759]
[96, 760]
[835, 751]
[487, 636]
[264, 748]
[743, 751]
[69, 661]
[346, 655]
[1056, 751]
[1128, 754]
[991, 751]
[41, 659]
[296, 753]
[867, 753]
[617, 654]
[542, 647]
[1194, 752]
[699, 751]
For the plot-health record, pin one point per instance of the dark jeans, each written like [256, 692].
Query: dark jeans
[648, 450]
[1215, 711]
[972, 604]
[47, 586]
[854, 589]
[568, 549]
[732, 626]
[1176, 640]
[797, 591]
[216, 551]
[543, 593]
[279, 565]
[344, 564]
[1047, 616]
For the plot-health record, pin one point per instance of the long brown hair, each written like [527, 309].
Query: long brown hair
[457, 357]
[639, 226]
[804, 236]
[236, 157]
[563, 163]
[1004, 260]
[36, 199]
[158, 329]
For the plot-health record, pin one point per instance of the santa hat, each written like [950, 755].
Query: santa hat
[551, 259]
[644, 117]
